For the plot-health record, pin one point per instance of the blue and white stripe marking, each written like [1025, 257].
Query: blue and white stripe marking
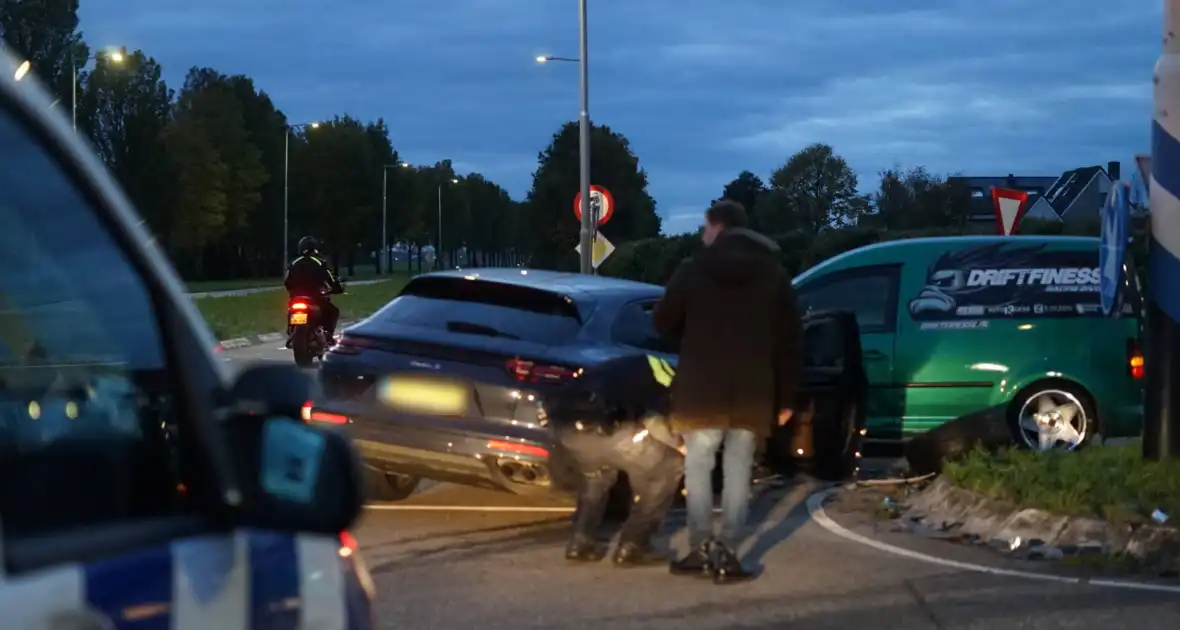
[1164, 262]
[250, 580]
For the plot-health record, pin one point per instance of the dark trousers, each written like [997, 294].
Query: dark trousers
[653, 469]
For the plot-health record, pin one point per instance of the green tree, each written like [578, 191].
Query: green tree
[550, 229]
[336, 188]
[813, 191]
[209, 106]
[916, 199]
[45, 33]
[746, 189]
[124, 110]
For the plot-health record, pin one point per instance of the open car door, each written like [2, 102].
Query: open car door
[824, 436]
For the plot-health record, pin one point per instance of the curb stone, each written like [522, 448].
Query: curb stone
[271, 337]
[945, 506]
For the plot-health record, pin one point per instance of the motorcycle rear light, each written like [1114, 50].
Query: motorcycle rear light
[530, 372]
[1136, 365]
[349, 346]
[299, 306]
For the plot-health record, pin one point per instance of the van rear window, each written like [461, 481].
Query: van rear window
[1007, 280]
[483, 307]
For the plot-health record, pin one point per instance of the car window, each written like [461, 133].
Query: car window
[870, 293]
[633, 327]
[86, 426]
[480, 307]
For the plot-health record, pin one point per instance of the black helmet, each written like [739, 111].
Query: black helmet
[309, 245]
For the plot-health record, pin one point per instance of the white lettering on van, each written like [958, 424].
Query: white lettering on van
[1054, 279]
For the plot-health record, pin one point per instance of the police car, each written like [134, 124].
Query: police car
[140, 486]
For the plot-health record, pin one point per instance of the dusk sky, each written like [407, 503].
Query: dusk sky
[703, 90]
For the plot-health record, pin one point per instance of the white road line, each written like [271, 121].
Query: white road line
[522, 509]
[468, 508]
[816, 509]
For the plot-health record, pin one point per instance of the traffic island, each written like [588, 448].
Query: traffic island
[1103, 507]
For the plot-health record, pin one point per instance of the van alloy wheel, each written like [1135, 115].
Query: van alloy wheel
[1053, 418]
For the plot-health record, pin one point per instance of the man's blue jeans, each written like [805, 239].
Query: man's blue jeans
[699, 460]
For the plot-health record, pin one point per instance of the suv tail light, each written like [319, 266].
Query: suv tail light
[1135, 363]
[530, 372]
[350, 346]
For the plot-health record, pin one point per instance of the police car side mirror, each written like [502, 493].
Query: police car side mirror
[293, 476]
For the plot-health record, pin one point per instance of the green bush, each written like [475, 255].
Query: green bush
[1109, 482]
[655, 259]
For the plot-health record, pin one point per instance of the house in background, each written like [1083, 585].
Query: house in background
[1074, 196]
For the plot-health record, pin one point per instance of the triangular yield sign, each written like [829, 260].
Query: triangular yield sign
[1010, 206]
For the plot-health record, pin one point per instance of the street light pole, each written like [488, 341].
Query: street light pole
[438, 248]
[385, 217]
[116, 56]
[586, 236]
[286, 182]
[286, 188]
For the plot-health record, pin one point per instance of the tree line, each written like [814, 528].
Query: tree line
[215, 167]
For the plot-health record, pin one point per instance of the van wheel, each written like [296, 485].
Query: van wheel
[1052, 415]
[391, 487]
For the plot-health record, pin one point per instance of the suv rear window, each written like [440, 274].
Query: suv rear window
[460, 304]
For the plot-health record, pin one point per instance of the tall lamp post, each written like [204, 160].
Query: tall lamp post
[438, 247]
[385, 212]
[286, 186]
[117, 55]
[586, 236]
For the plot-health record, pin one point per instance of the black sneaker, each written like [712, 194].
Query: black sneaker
[696, 563]
[630, 554]
[727, 568]
[581, 551]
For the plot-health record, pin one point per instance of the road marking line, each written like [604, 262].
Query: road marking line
[395, 507]
[816, 509]
[469, 508]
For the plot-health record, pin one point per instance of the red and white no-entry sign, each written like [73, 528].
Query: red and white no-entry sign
[601, 204]
[1010, 206]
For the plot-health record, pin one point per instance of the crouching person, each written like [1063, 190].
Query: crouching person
[614, 419]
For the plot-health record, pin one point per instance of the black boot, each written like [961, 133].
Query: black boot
[696, 563]
[630, 554]
[583, 551]
[727, 568]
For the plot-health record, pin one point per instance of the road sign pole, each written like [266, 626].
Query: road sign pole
[586, 235]
[1161, 427]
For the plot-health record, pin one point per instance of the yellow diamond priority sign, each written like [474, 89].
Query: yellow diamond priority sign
[601, 251]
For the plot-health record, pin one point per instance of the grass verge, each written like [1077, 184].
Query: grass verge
[206, 286]
[241, 315]
[1108, 482]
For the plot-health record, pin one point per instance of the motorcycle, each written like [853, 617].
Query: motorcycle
[305, 335]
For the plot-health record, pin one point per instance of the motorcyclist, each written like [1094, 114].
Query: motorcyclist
[613, 419]
[308, 276]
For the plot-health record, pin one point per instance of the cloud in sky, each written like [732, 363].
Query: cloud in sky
[703, 90]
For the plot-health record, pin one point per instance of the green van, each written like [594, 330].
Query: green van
[954, 325]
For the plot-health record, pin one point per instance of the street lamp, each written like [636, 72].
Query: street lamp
[286, 182]
[22, 70]
[385, 211]
[116, 55]
[438, 248]
[586, 236]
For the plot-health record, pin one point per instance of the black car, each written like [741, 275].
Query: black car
[448, 381]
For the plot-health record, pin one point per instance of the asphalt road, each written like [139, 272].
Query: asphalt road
[453, 557]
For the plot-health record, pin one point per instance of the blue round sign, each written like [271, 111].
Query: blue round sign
[1112, 248]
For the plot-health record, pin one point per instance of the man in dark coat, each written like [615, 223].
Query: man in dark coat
[732, 310]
